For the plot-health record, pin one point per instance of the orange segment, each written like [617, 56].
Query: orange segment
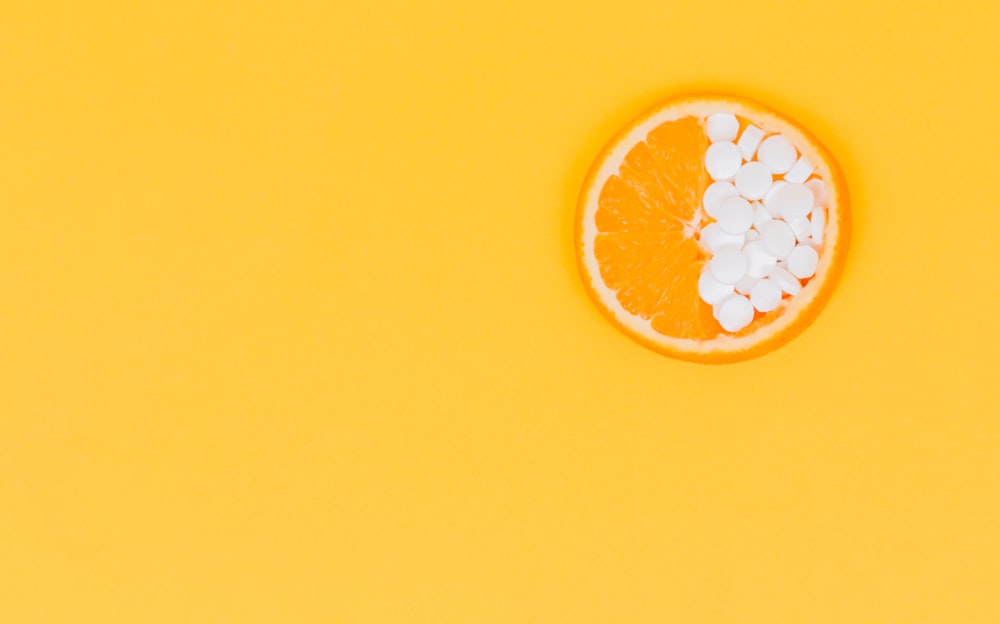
[637, 224]
[645, 216]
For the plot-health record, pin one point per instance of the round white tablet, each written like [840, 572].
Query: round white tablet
[714, 194]
[735, 215]
[765, 295]
[735, 313]
[802, 261]
[713, 238]
[711, 290]
[753, 180]
[746, 284]
[722, 127]
[723, 160]
[778, 239]
[728, 266]
[818, 187]
[777, 153]
[790, 200]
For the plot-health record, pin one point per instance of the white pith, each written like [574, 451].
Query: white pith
[609, 164]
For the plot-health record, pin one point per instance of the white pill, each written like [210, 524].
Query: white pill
[818, 187]
[735, 215]
[753, 180]
[722, 160]
[746, 284]
[749, 141]
[759, 261]
[751, 236]
[790, 200]
[800, 171]
[802, 261]
[711, 290]
[765, 295]
[713, 238]
[778, 239]
[802, 228]
[728, 266]
[735, 313]
[768, 202]
[785, 280]
[715, 194]
[777, 154]
[760, 214]
[722, 127]
[818, 220]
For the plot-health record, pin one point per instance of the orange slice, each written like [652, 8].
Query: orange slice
[637, 224]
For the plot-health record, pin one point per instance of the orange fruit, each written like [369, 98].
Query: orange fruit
[637, 224]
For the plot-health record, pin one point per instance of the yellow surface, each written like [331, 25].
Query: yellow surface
[291, 331]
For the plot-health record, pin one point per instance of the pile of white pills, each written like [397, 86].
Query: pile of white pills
[767, 221]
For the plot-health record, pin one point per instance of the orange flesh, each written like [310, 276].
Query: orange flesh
[647, 218]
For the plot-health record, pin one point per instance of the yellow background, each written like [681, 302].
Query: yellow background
[291, 330]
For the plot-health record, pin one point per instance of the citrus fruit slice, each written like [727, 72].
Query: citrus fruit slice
[712, 229]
